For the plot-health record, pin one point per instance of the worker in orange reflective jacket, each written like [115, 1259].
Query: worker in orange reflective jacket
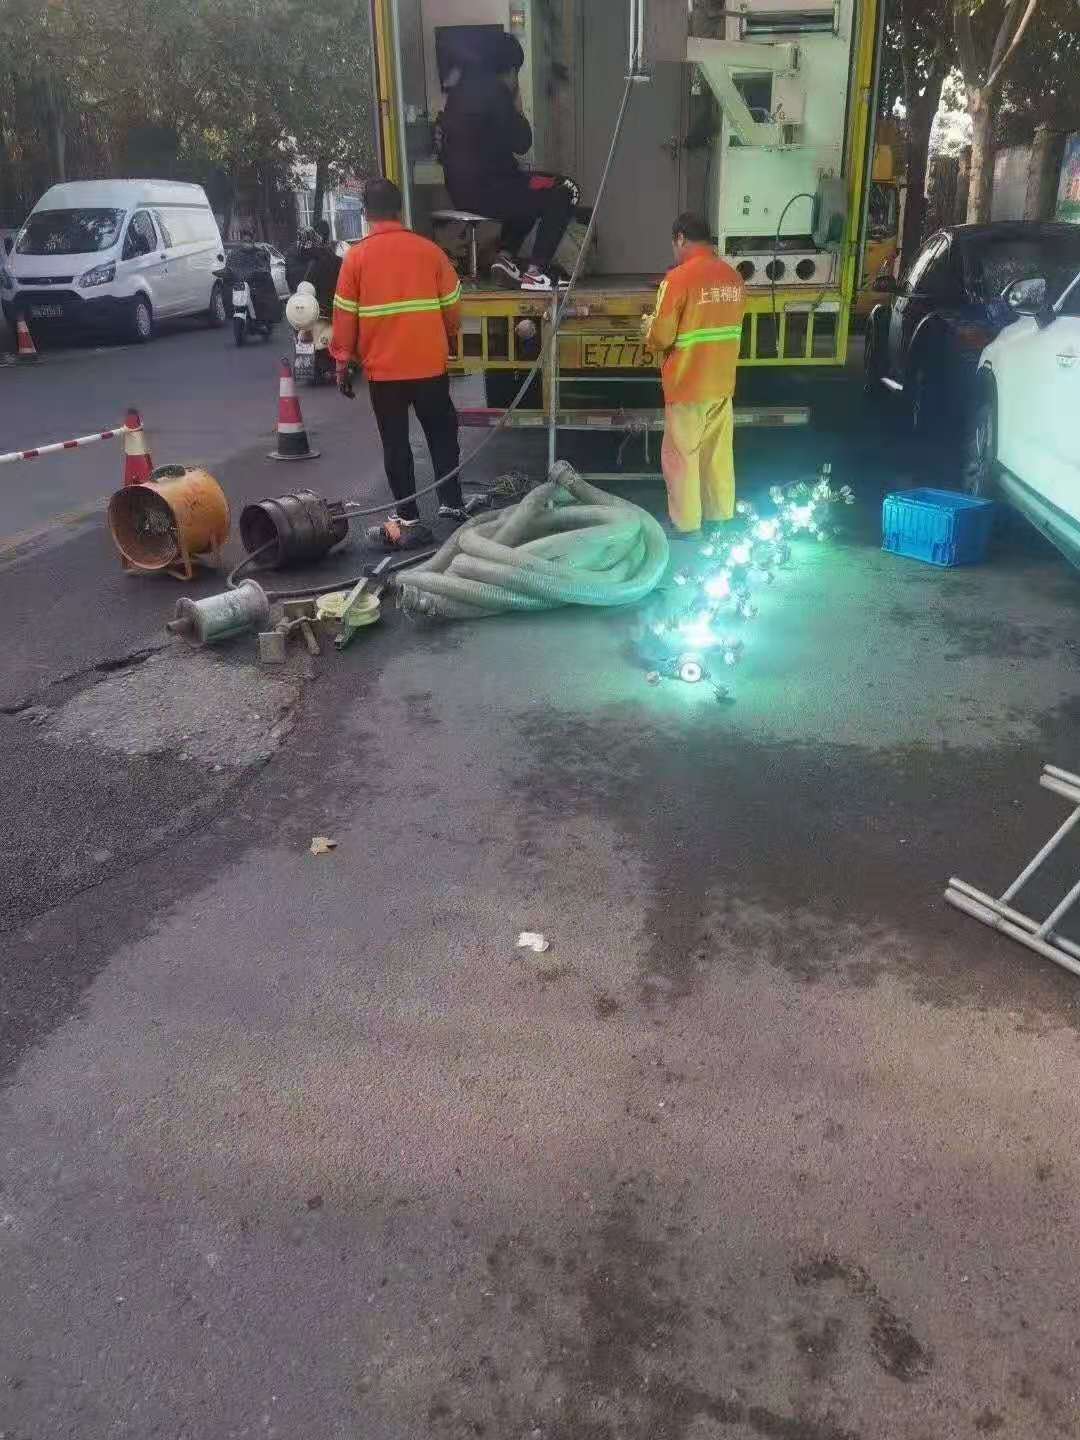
[696, 329]
[397, 311]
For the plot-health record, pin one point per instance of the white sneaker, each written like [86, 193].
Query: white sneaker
[535, 279]
[503, 268]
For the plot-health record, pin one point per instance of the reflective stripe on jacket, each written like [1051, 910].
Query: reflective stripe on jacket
[696, 328]
[397, 308]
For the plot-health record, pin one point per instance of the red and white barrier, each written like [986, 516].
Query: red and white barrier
[136, 460]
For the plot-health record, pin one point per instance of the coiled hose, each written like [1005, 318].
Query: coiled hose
[566, 543]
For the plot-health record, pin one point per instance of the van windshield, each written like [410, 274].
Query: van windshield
[69, 232]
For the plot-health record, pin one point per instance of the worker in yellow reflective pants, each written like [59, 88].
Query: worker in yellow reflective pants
[698, 464]
[696, 327]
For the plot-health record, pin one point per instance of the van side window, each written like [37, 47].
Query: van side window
[140, 236]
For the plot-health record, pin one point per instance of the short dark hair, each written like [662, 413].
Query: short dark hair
[382, 200]
[691, 227]
[322, 229]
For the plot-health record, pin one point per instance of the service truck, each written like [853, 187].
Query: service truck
[757, 113]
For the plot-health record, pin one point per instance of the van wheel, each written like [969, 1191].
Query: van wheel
[142, 320]
[216, 314]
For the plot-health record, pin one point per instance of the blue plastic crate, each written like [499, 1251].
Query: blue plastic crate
[942, 527]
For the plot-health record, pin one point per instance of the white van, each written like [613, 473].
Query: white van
[115, 255]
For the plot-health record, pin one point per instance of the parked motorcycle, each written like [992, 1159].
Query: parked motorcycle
[312, 361]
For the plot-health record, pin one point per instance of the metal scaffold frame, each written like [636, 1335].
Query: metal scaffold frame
[1000, 914]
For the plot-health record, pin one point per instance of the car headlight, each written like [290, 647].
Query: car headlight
[99, 275]
[6, 280]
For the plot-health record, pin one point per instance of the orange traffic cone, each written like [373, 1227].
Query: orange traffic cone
[27, 348]
[292, 437]
[138, 466]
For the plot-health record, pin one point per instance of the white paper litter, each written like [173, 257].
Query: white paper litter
[533, 940]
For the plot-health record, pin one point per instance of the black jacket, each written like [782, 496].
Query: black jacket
[322, 272]
[482, 136]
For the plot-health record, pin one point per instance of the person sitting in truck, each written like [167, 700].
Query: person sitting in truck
[483, 132]
[695, 330]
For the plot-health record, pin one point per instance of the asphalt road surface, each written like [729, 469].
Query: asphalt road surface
[769, 1143]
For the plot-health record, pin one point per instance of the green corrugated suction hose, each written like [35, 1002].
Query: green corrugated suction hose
[566, 543]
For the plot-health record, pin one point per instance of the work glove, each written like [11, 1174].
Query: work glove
[344, 382]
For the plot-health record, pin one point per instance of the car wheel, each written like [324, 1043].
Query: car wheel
[142, 320]
[980, 468]
[216, 314]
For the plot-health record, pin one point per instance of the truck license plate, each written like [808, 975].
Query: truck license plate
[615, 352]
[47, 312]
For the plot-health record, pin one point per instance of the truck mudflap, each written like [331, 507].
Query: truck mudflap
[623, 420]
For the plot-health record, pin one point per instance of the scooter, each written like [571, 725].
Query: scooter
[312, 361]
[244, 317]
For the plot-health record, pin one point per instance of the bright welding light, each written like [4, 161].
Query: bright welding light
[718, 587]
[801, 517]
[766, 530]
[680, 577]
[708, 551]
[739, 554]
[690, 669]
[698, 631]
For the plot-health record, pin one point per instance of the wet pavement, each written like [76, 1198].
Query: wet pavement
[769, 1143]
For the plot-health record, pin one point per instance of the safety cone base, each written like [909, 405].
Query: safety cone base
[307, 455]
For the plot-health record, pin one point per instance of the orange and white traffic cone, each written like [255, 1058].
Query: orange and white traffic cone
[27, 348]
[138, 465]
[292, 437]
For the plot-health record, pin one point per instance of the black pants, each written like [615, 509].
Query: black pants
[519, 208]
[391, 399]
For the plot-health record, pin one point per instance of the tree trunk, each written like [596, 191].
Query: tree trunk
[320, 191]
[57, 134]
[263, 204]
[920, 120]
[981, 171]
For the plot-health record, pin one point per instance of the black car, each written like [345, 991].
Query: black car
[925, 340]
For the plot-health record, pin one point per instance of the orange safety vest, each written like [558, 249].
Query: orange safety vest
[697, 328]
[397, 308]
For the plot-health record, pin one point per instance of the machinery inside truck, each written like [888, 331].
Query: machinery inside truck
[757, 113]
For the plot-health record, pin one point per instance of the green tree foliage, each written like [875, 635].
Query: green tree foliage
[1042, 85]
[231, 93]
[989, 36]
[917, 54]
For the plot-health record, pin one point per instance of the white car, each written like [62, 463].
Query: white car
[1026, 437]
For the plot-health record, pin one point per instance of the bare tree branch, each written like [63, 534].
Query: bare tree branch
[965, 44]
[999, 62]
[1004, 30]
